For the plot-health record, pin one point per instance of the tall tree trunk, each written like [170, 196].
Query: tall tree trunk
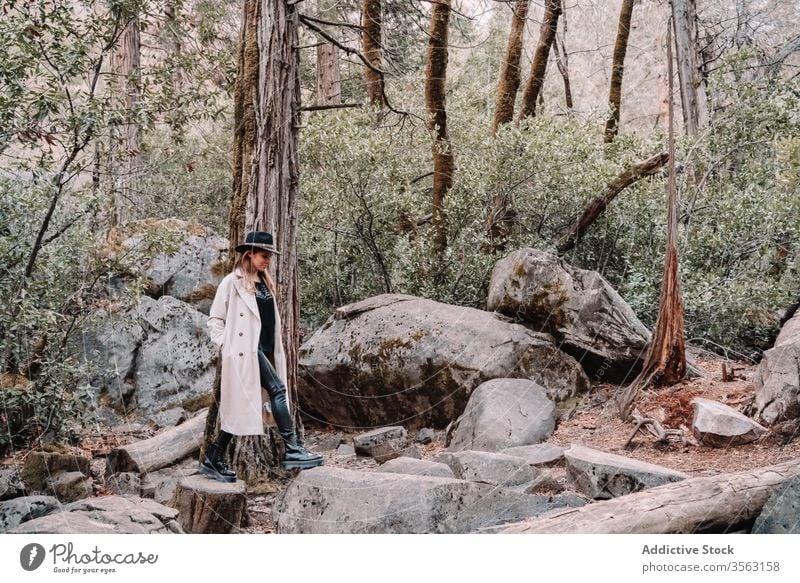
[266, 177]
[371, 21]
[172, 11]
[128, 161]
[329, 79]
[665, 359]
[508, 85]
[547, 33]
[693, 96]
[617, 69]
[443, 163]
[562, 62]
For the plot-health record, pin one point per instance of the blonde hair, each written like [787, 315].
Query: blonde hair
[245, 264]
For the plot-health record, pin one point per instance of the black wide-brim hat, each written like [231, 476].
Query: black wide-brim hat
[257, 240]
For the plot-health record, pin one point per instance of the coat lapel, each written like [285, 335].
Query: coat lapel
[247, 298]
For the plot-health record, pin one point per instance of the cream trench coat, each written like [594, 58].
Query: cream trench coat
[234, 324]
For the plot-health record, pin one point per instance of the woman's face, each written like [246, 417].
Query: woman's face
[260, 260]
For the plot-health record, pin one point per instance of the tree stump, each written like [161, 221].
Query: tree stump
[208, 506]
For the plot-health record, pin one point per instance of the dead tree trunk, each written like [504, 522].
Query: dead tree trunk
[371, 21]
[599, 204]
[547, 33]
[665, 359]
[722, 502]
[508, 84]
[617, 69]
[443, 162]
[562, 61]
[693, 96]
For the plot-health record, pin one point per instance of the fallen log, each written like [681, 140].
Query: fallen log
[159, 451]
[697, 504]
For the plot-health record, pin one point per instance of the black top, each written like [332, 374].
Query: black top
[266, 308]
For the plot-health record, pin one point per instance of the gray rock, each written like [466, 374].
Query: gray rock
[383, 444]
[424, 435]
[345, 450]
[160, 485]
[411, 451]
[334, 500]
[125, 484]
[504, 413]
[10, 485]
[781, 513]
[717, 425]
[588, 317]
[191, 273]
[41, 466]
[777, 379]
[492, 468]
[70, 486]
[406, 465]
[394, 359]
[328, 443]
[106, 514]
[539, 454]
[170, 417]
[604, 475]
[153, 357]
[15, 512]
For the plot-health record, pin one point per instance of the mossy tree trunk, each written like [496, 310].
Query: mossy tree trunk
[617, 69]
[508, 85]
[443, 161]
[547, 33]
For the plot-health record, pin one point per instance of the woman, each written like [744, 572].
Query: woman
[245, 323]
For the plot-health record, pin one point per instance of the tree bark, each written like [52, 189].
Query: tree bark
[127, 67]
[599, 204]
[724, 502]
[209, 507]
[690, 77]
[329, 79]
[266, 179]
[508, 85]
[665, 359]
[547, 33]
[371, 21]
[443, 161]
[617, 69]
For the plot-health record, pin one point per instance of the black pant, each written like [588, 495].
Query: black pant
[277, 394]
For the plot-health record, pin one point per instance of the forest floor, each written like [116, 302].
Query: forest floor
[593, 423]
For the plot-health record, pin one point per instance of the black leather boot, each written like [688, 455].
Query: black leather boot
[297, 456]
[214, 465]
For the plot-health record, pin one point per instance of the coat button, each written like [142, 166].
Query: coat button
[241, 354]
[241, 333]
[241, 313]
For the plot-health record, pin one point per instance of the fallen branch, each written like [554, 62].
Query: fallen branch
[598, 205]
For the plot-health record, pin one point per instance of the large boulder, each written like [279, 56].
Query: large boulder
[151, 357]
[504, 413]
[334, 500]
[587, 316]
[777, 379]
[781, 513]
[402, 360]
[189, 270]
